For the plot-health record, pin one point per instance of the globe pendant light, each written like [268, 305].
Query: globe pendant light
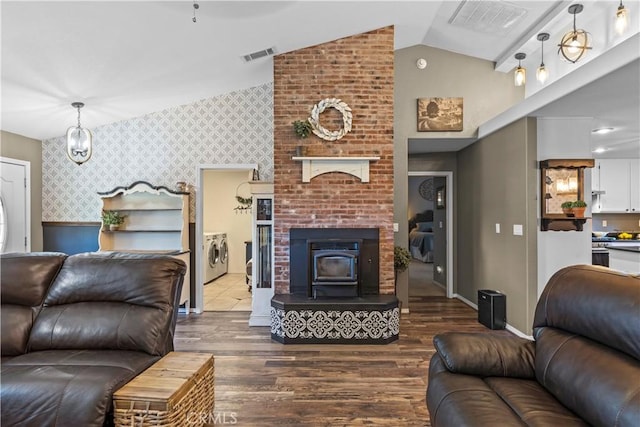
[520, 76]
[575, 43]
[79, 145]
[541, 73]
[622, 19]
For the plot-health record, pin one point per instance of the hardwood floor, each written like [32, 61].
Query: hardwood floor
[259, 382]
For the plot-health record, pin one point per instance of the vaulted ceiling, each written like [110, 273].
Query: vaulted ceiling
[126, 59]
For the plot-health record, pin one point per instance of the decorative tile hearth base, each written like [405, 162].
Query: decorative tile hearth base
[373, 319]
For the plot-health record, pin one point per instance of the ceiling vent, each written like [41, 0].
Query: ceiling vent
[491, 17]
[259, 54]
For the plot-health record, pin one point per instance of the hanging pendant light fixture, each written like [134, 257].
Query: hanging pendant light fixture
[541, 73]
[622, 19]
[79, 140]
[575, 43]
[520, 76]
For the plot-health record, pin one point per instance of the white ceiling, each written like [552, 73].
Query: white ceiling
[126, 59]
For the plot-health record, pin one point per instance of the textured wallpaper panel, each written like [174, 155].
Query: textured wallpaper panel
[161, 148]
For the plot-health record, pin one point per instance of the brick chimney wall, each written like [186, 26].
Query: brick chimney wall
[359, 71]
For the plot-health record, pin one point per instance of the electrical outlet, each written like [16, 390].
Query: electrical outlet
[497, 228]
[604, 222]
[395, 227]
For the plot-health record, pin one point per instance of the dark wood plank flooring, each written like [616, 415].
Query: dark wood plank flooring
[259, 382]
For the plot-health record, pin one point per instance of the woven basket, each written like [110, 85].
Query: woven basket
[190, 403]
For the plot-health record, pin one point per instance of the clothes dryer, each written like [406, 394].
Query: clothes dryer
[216, 255]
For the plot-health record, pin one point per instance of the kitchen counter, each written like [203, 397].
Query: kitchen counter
[625, 256]
[625, 248]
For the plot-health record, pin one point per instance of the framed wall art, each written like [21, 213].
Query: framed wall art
[440, 114]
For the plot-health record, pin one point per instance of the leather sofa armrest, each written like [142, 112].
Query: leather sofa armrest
[486, 355]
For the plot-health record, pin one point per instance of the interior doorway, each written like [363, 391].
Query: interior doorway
[15, 206]
[222, 227]
[431, 244]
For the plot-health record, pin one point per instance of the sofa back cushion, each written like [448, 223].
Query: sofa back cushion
[587, 332]
[25, 279]
[595, 302]
[111, 301]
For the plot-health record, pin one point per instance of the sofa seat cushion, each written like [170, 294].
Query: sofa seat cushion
[468, 400]
[532, 403]
[65, 387]
[465, 400]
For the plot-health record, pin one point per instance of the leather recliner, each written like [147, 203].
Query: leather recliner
[77, 328]
[583, 367]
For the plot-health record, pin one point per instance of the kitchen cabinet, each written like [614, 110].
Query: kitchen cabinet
[156, 222]
[616, 185]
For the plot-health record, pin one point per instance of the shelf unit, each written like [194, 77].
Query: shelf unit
[262, 276]
[156, 222]
[553, 172]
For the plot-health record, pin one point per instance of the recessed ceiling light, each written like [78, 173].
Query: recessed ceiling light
[601, 131]
[599, 150]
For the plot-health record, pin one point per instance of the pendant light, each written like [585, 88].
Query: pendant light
[520, 76]
[575, 43]
[622, 19]
[541, 73]
[79, 140]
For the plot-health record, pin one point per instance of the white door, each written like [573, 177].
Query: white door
[14, 212]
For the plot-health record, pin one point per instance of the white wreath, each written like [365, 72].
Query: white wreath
[319, 130]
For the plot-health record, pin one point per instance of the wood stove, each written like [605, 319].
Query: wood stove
[333, 263]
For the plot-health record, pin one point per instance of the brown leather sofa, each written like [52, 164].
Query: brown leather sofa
[77, 328]
[581, 369]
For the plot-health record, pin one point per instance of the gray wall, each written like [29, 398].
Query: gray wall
[22, 148]
[497, 184]
[486, 93]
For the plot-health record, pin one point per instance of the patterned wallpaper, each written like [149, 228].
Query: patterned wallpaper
[161, 148]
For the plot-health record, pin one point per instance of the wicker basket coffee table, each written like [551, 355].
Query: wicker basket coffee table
[175, 391]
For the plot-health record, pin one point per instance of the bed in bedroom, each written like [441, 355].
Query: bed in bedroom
[421, 236]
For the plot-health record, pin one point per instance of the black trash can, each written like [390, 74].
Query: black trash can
[492, 309]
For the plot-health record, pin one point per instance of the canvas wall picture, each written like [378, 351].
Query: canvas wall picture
[440, 114]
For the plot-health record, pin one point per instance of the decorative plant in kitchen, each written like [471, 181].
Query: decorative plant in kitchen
[112, 219]
[567, 207]
[578, 207]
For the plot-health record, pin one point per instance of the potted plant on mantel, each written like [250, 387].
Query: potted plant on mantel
[111, 220]
[578, 207]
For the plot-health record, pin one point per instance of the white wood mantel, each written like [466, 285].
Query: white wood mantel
[356, 166]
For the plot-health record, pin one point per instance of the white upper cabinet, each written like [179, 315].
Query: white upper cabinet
[618, 183]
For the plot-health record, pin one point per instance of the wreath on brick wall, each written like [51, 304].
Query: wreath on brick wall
[319, 130]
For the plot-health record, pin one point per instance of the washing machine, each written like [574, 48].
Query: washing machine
[215, 255]
[223, 262]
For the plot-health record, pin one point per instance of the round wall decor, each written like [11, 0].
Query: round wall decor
[426, 189]
[319, 130]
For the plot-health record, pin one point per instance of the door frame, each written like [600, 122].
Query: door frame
[199, 244]
[27, 195]
[449, 207]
